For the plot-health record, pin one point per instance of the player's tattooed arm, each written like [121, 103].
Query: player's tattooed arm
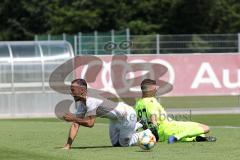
[153, 126]
[153, 119]
[87, 121]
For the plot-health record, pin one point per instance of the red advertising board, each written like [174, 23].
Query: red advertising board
[189, 74]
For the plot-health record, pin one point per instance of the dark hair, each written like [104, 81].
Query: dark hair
[80, 82]
[147, 82]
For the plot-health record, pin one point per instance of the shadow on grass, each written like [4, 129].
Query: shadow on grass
[89, 147]
[144, 151]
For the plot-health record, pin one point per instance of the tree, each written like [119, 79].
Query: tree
[21, 20]
[189, 17]
[224, 17]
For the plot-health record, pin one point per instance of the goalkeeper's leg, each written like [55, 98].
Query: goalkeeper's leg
[186, 131]
[192, 129]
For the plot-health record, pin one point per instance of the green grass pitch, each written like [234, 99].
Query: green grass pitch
[41, 139]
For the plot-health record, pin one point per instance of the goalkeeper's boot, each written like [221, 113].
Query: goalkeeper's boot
[206, 139]
[172, 139]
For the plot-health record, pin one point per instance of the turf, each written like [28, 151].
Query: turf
[42, 139]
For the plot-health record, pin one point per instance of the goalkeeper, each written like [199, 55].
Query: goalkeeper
[152, 115]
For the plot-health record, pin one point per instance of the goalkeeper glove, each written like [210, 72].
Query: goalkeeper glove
[154, 130]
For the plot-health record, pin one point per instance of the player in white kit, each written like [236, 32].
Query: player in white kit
[123, 119]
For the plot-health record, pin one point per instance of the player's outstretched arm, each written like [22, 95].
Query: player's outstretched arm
[87, 122]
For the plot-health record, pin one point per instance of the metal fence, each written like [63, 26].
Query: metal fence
[124, 43]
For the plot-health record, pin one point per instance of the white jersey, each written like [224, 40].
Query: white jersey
[81, 109]
[96, 107]
[122, 119]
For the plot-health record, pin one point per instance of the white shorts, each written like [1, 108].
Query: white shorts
[121, 130]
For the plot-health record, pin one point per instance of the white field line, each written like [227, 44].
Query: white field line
[225, 127]
[197, 111]
[106, 124]
[170, 111]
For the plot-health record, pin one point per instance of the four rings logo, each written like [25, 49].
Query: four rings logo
[104, 82]
[120, 76]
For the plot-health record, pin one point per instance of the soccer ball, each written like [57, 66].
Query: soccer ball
[147, 141]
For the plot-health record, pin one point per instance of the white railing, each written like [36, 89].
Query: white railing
[98, 44]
